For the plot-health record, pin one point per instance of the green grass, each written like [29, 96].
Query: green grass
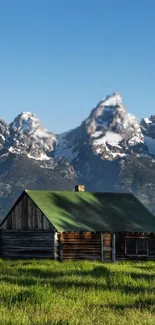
[53, 293]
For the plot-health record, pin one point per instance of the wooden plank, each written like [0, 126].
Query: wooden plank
[80, 248]
[30, 214]
[24, 212]
[35, 217]
[9, 221]
[81, 245]
[17, 243]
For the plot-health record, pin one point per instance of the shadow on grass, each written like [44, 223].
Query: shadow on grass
[97, 272]
[65, 279]
[148, 303]
[23, 296]
[23, 281]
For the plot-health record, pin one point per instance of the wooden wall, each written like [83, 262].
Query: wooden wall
[27, 232]
[27, 244]
[26, 216]
[83, 245]
[98, 246]
[107, 247]
[49, 244]
[120, 247]
[67, 246]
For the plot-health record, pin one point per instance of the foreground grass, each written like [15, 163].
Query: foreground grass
[48, 292]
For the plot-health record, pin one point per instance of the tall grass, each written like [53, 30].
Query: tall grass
[53, 293]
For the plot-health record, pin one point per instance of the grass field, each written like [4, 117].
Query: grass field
[47, 292]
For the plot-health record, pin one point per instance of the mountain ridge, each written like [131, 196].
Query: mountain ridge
[108, 125]
[96, 153]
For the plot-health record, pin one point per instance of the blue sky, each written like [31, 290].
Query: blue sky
[58, 58]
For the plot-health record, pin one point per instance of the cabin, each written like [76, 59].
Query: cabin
[78, 225]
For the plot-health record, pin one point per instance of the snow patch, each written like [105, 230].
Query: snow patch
[112, 138]
[14, 150]
[2, 136]
[96, 134]
[147, 120]
[41, 133]
[65, 148]
[134, 141]
[130, 121]
[113, 100]
[41, 157]
[118, 154]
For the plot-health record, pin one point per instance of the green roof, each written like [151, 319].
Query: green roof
[85, 211]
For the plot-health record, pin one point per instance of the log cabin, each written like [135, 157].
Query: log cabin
[78, 225]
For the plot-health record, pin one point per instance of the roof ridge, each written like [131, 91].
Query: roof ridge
[96, 192]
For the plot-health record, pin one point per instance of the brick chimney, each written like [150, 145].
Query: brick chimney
[79, 188]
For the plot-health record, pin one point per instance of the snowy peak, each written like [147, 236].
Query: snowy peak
[114, 100]
[108, 106]
[111, 115]
[112, 129]
[26, 135]
[109, 131]
[26, 123]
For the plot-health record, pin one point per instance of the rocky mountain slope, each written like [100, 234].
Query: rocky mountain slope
[109, 151]
[109, 131]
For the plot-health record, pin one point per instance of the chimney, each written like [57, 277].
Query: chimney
[79, 188]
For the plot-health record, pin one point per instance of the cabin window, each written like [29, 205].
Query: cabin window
[136, 246]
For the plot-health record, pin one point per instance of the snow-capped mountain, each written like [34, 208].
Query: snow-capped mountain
[109, 132]
[109, 151]
[113, 131]
[26, 135]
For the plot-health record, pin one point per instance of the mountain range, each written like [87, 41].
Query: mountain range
[110, 151]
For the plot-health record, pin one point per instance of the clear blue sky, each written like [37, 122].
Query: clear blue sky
[58, 58]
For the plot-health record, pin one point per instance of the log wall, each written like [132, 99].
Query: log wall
[107, 247]
[84, 246]
[120, 246]
[68, 246]
[28, 244]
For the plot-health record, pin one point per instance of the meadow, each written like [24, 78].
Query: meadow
[34, 292]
